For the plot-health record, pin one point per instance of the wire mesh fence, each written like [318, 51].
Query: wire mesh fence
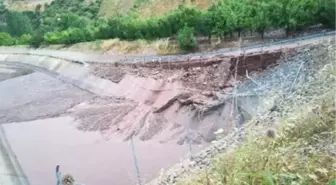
[262, 93]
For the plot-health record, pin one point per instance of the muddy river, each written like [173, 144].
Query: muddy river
[41, 144]
[32, 109]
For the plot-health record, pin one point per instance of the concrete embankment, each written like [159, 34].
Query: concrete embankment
[67, 71]
[11, 172]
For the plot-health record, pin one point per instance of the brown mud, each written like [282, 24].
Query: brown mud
[172, 101]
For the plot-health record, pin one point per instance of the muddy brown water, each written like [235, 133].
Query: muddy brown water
[41, 144]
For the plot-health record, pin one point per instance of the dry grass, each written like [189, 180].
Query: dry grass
[303, 149]
[148, 8]
[160, 7]
[111, 8]
[24, 5]
[301, 152]
[120, 47]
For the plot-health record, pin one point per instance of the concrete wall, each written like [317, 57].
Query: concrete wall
[68, 71]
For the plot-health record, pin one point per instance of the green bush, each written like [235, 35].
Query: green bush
[71, 20]
[186, 38]
[76, 35]
[37, 39]
[57, 37]
[24, 39]
[6, 39]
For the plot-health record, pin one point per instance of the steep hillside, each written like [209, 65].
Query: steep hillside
[25, 5]
[69, 22]
[110, 8]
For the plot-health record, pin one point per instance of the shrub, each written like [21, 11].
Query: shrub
[75, 35]
[6, 39]
[37, 38]
[24, 39]
[71, 20]
[186, 38]
[57, 37]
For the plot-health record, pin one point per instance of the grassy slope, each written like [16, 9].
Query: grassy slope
[147, 8]
[303, 150]
[160, 7]
[119, 47]
[25, 5]
[110, 8]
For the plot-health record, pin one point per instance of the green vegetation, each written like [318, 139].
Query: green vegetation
[186, 38]
[6, 39]
[18, 23]
[302, 150]
[69, 22]
[297, 155]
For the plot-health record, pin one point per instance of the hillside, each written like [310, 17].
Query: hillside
[148, 8]
[69, 22]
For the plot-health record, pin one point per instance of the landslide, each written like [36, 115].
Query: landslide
[180, 102]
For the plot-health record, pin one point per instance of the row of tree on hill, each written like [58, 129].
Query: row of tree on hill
[79, 22]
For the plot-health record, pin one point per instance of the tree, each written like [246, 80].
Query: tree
[186, 38]
[295, 14]
[218, 19]
[262, 16]
[326, 13]
[18, 23]
[3, 11]
[238, 15]
[3, 27]
[204, 25]
[37, 38]
[71, 20]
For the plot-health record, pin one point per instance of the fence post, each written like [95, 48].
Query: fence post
[135, 159]
[189, 141]
[58, 175]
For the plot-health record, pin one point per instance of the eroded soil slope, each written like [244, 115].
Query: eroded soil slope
[187, 102]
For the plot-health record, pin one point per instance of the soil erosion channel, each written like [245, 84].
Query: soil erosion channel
[51, 121]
